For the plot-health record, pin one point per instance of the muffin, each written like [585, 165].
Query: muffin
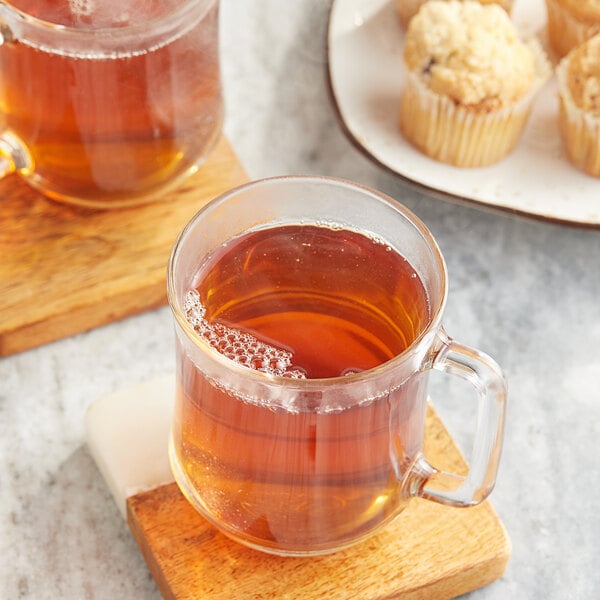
[407, 9]
[578, 79]
[571, 22]
[470, 82]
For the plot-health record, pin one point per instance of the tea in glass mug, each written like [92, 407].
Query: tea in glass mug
[308, 318]
[108, 103]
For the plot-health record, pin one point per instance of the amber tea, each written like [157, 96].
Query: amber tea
[302, 302]
[118, 119]
[308, 317]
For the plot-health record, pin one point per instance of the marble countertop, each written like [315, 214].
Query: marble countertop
[525, 291]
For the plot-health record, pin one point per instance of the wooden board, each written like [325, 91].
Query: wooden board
[429, 551]
[65, 269]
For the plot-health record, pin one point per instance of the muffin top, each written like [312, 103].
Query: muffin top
[470, 53]
[583, 75]
[415, 4]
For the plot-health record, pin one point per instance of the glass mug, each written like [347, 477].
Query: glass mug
[308, 316]
[106, 104]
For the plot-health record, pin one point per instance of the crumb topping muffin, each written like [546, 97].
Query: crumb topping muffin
[578, 79]
[583, 75]
[584, 9]
[571, 22]
[470, 53]
[470, 82]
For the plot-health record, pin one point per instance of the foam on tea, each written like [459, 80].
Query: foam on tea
[239, 346]
[82, 8]
[96, 14]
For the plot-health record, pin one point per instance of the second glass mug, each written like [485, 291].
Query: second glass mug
[104, 105]
[300, 466]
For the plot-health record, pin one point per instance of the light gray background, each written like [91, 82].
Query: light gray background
[526, 292]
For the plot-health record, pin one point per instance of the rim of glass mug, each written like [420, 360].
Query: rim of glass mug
[433, 324]
[110, 42]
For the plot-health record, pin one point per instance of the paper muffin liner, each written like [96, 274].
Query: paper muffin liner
[407, 9]
[579, 129]
[566, 30]
[462, 136]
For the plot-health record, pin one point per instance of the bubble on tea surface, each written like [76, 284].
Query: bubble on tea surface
[106, 13]
[239, 346]
[82, 8]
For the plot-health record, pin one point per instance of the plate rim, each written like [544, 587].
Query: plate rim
[423, 188]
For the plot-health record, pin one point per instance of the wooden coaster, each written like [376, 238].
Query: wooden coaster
[65, 269]
[429, 551]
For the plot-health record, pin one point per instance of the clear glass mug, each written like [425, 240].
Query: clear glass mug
[105, 104]
[300, 466]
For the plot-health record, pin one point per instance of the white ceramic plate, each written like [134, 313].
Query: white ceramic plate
[366, 73]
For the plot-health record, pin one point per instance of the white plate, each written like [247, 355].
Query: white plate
[366, 72]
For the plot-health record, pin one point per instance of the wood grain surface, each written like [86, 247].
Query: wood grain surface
[430, 552]
[65, 269]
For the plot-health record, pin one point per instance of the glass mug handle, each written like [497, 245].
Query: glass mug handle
[485, 375]
[13, 156]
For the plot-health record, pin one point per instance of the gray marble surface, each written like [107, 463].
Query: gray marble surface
[526, 292]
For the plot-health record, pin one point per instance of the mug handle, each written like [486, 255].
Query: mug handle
[485, 375]
[13, 156]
